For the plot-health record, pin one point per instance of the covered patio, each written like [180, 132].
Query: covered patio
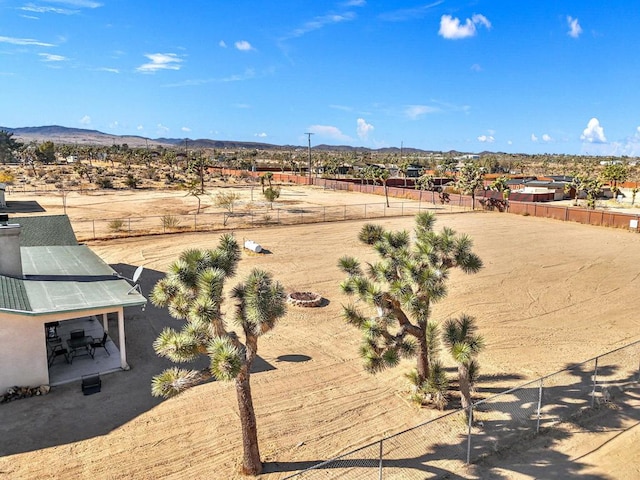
[66, 286]
[63, 369]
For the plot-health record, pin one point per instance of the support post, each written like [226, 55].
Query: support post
[595, 384]
[470, 418]
[539, 407]
[122, 341]
[380, 462]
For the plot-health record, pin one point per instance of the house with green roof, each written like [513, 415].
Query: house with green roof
[47, 278]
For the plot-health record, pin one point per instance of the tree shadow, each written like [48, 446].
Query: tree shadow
[503, 432]
[295, 358]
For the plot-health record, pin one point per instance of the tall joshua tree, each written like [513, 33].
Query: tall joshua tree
[401, 288]
[463, 342]
[192, 290]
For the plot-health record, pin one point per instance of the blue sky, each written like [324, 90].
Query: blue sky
[512, 76]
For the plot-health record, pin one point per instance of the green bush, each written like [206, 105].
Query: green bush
[170, 221]
[104, 182]
[116, 225]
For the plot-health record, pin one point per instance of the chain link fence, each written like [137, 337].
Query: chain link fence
[246, 218]
[440, 447]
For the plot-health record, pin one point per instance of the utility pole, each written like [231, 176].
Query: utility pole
[309, 150]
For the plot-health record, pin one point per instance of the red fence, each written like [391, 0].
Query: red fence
[536, 209]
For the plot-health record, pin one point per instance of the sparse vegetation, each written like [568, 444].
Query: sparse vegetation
[116, 225]
[170, 222]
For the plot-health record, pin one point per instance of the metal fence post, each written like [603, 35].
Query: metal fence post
[380, 462]
[345, 212]
[595, 383]
[94, 228]
[539, 407]
[470, 415]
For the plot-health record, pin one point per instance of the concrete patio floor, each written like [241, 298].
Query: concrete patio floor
[61, 372]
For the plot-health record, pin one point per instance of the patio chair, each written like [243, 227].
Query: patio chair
[91, 383]
[77, 333]
[57, 351]
[100, 343]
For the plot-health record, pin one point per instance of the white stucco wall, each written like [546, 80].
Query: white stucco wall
[23, 352]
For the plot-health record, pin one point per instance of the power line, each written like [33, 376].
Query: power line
[308, 134]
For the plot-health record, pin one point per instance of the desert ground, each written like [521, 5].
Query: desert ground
[550, 294]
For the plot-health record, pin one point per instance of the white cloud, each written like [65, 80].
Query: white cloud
[364, 128]
[355, 3]
[329, 131]
[574, 27]
[222, 44]
[261, 135]
[42, 9]
[476, 67]
[77, 3]
[161, 129]
[416, 111]
[243, 46]
[86, 120]
[107, 69]
[139, 128]
[452, 29]
[185, 129]
[594, 133]
[48, 57]
[486, 139]
[409, 13]
[534, 138]
[25, 41]
[320, 22]
[160, 61]
[546, 138]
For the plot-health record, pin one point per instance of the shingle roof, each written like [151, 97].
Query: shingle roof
[45, 230]
[13, 295]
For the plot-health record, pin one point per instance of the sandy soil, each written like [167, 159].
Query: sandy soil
[551, 294]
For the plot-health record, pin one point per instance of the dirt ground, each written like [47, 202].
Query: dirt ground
[550, 294]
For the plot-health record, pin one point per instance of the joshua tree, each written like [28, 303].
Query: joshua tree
[464, 344]
[615, 173]
[272, 194]
[401, 289]
[192, 290]
[470, 178]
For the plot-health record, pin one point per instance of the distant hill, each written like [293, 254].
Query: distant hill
[79, 136]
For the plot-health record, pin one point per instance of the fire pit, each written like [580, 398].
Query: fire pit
[304, 299]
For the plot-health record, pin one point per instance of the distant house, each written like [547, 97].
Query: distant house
[47, 280]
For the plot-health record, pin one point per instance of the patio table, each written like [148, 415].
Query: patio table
[79, 343]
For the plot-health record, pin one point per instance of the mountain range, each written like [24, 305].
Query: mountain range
[79, 136]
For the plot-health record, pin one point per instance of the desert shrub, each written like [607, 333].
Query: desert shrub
[116, 225]
[170, 221]
[131, 181]
[104, 182]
